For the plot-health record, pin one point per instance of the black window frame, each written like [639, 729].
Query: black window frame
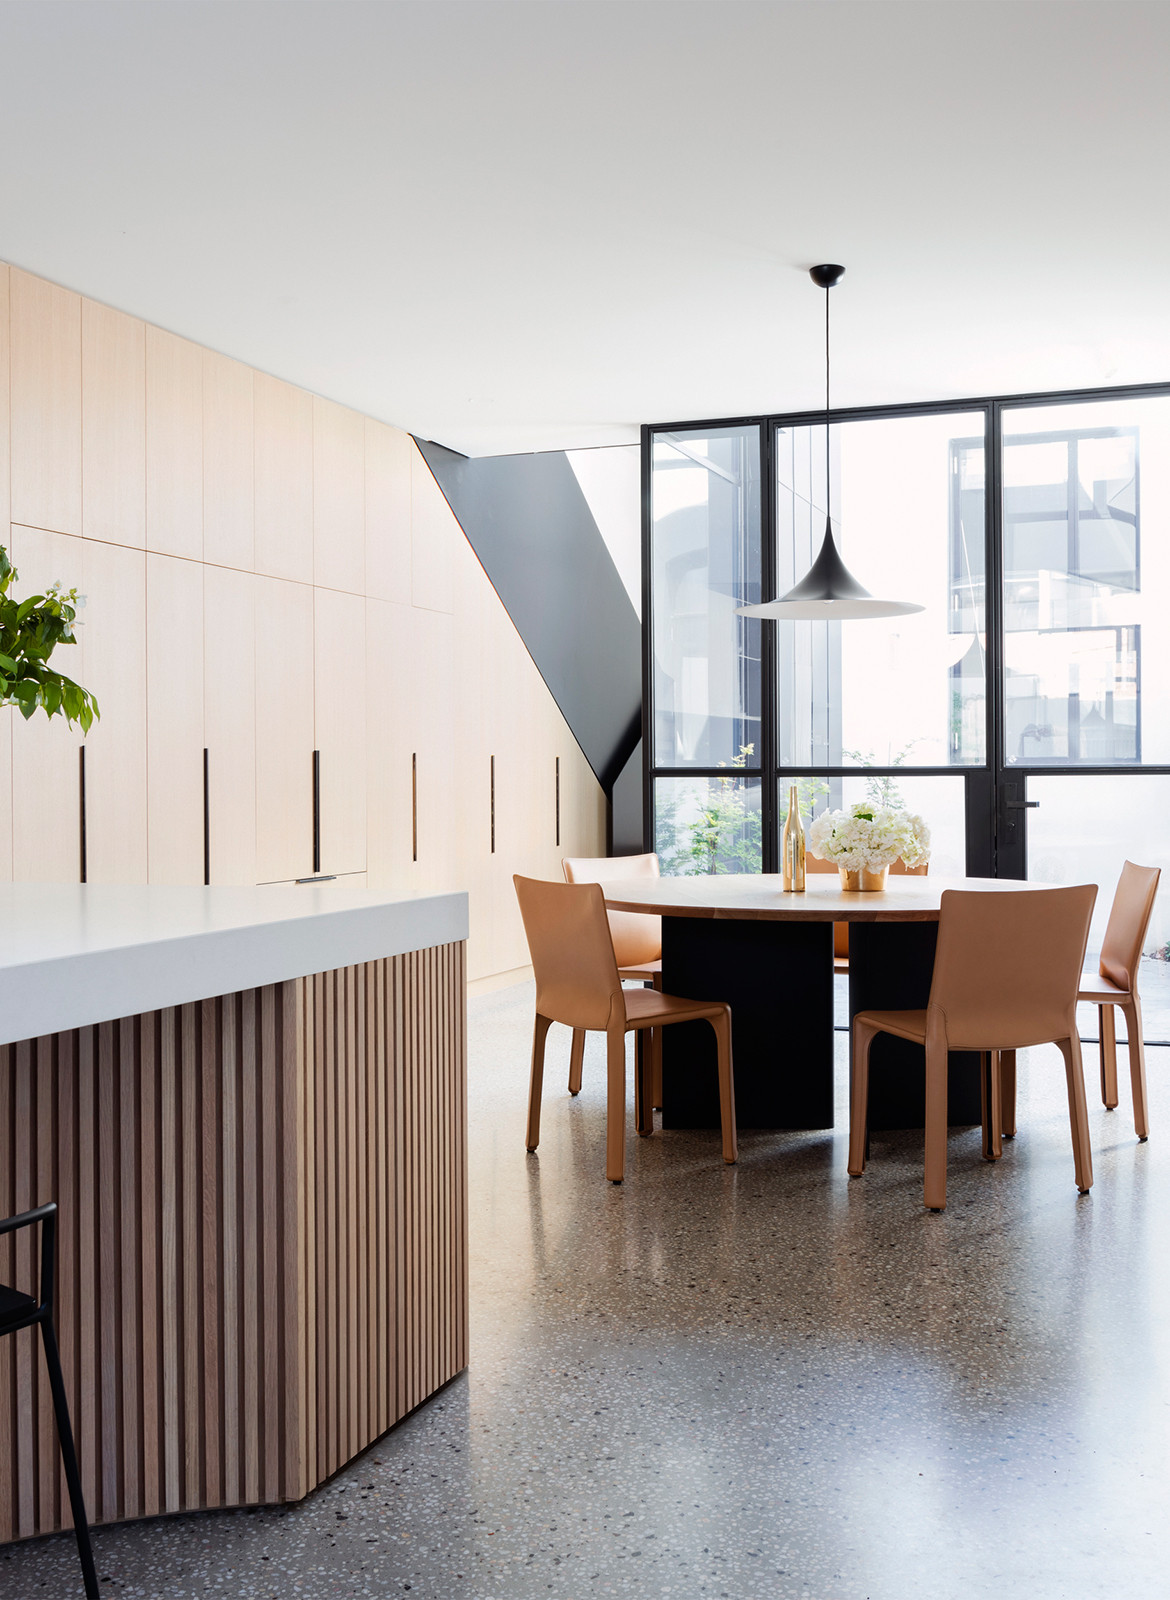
[996, 845]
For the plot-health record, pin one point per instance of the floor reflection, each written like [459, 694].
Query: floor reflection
[762, 1382]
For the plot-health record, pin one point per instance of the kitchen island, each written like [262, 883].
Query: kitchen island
[250, 1106]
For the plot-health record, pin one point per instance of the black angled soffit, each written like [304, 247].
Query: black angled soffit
[534, 535]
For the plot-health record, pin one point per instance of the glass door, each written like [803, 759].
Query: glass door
[1085, 772]
[893, 709]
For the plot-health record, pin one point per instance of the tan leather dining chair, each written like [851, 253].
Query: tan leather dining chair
[1006, 972]
[841, 929]
[577, 983]
[1115, 984]
[637, 939]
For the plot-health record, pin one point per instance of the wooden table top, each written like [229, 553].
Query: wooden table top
[760, 897]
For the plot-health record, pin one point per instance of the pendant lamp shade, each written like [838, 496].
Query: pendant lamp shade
[828, 592]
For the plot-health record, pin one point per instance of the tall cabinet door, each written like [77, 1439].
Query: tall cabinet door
[389, 801]
[340, 701]
[339, 537]
[228, 463]
[284, 730]
[283, 471]
[174, 445]
[115, 747]
[229, 722]
[174, 719]
[46, 404]
[113, 425]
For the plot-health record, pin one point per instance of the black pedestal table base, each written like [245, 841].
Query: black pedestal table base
[777, 978]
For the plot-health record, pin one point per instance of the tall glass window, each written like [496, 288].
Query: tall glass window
[1086, 649]
[706, 546]
[1025, 710]
[705, 825]
[908, 498]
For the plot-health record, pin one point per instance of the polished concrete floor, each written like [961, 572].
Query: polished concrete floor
[757, 1382]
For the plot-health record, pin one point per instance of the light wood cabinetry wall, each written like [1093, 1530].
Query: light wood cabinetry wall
[267, 574]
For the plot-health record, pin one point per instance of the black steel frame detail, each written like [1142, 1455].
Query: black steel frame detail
[996, 838]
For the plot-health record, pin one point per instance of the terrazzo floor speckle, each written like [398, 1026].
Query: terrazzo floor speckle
[762, 1382]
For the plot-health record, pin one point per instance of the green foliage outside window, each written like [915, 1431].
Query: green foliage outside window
[30, 630]
[725, 837]
[882, 791]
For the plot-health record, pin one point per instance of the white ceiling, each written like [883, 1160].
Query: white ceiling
[536, 225]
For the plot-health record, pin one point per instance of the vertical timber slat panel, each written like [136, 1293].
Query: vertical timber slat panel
[263, 1237]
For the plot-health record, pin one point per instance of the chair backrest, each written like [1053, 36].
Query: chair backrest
[572, 953]
[899, 869]
[637, 938]
[1008, 964]
[1129, 917]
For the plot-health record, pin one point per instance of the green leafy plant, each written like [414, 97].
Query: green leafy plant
[725, 836]
[882, 791]
[808, 792]
[30, 630]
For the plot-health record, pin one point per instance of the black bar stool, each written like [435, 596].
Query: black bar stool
[18, 1311]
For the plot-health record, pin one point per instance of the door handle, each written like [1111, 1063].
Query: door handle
[1022, 805]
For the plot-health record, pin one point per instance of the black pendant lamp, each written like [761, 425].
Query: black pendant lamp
[828, 592]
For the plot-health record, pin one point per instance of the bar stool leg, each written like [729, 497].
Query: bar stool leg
[69, 1459]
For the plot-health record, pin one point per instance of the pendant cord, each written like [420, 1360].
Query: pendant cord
[828, 486]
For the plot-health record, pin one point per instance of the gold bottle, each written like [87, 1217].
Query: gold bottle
[792, 846]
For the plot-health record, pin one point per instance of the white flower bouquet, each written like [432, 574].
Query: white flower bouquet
[868, 837]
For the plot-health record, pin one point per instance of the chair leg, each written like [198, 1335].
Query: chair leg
[992, 1099]
[643, 1109]
[539, 1035]
[934, 1187]
[69, 1460]
[1078, 1112]
[656, 1068]
[1007, 1079]
[576, 1060]
[1137, 1065]
[722, 1027]
[615, 1106]
[656, 1053]
[1107, 1033]
[863, 1037]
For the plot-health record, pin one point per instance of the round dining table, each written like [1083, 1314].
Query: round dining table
[768, 952]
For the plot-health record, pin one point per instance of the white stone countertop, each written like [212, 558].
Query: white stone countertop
[75, 954]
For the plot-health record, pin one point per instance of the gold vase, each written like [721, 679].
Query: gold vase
[862, 880]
